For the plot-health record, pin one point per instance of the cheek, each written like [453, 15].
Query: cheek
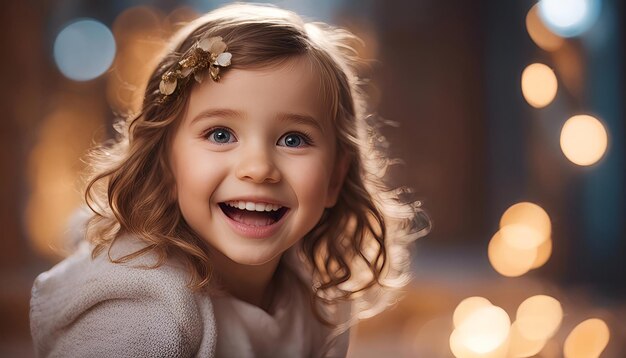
[197, 174]
[310, 181]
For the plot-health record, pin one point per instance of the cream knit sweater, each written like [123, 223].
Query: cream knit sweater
[85, 308]
[94, 308]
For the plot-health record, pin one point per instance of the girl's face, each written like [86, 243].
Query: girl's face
[254, 161]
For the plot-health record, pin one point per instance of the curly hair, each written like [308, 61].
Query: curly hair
[358, 250]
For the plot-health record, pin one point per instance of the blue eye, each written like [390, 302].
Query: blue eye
[220, 136]
[293, 140]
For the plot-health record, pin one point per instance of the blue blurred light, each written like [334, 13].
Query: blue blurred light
[569, 18]
[84, 50]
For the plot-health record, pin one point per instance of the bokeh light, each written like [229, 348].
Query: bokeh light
[539, 33]
[508, 260]
[539, 317]
[539, 85]
[544, 251]
[569, 18]
[520, 346]
[525, 225]
[521, 236]
[484, 333]
[84, 50]
[467, 307]
[583, 140]
[587, 340]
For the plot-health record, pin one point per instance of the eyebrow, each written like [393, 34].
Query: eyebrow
[217, 112]
[303, 119]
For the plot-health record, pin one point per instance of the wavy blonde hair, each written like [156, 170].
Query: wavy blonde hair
[358, 250]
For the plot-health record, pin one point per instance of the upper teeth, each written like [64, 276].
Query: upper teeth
[252, 206]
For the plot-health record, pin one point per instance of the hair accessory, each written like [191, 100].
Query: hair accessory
[208, 52]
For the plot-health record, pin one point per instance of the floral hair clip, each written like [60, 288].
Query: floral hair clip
[208, 52]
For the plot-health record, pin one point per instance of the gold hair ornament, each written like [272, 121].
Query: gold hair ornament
[208, 52]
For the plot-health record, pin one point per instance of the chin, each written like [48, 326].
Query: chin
[251, 258]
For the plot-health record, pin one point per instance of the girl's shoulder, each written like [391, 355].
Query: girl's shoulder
[84, 306]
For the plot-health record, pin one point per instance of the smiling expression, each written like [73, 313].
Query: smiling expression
[254, 161]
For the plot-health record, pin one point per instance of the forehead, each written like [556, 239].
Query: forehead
[289, 87]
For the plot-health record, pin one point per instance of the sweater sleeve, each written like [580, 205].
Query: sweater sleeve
[119, 328]
[94, 308]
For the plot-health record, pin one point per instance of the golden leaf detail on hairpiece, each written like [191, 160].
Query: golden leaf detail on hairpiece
[223, 59]
[198, 77]
[186, 71]
[167, 87]
[193, 59]
[208, 52]
[214, 45]
[215, 73]
[206, 43]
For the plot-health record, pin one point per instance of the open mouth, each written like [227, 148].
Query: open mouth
[253, 215]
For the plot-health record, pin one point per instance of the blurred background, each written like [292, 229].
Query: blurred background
[510, 124]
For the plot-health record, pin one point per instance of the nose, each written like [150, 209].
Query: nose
[258, 166]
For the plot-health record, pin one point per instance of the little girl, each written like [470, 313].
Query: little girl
[242, 212]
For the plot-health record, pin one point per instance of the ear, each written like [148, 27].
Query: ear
[342, 163]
